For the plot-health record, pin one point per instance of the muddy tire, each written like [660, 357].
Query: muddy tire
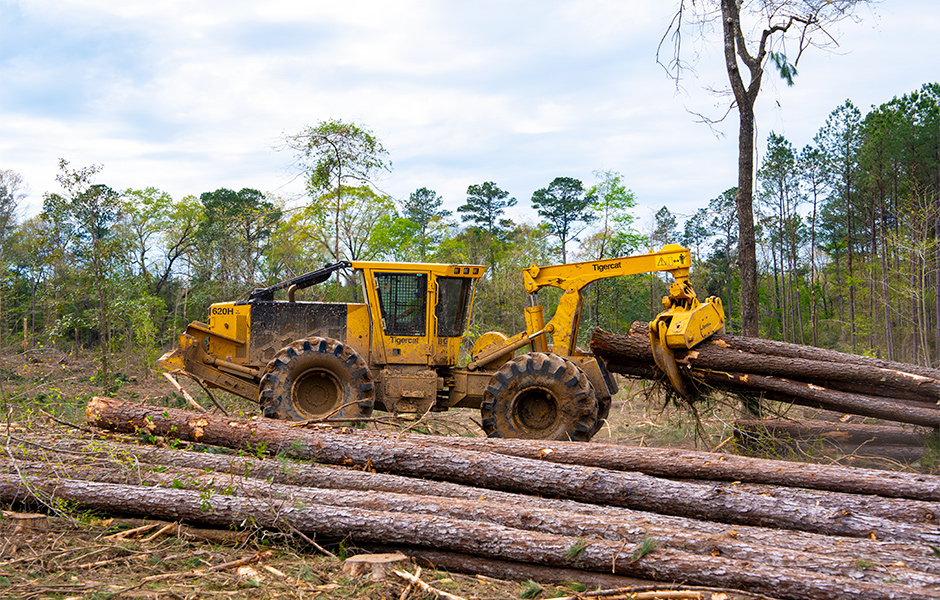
[539, 396]
[314, 377]
[603, 411]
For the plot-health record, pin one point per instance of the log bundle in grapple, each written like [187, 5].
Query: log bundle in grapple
[801, 375]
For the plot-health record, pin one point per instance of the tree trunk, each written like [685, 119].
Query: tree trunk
[640, 329]
[631, 532]
[744, 97]
[455, 562]
[747, 245]
[845, 483]
[808, 394]
[484, 469]
[487, 540]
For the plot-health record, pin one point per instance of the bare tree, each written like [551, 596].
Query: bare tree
[753, 32]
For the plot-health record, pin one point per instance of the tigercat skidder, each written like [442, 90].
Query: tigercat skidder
[398, 351]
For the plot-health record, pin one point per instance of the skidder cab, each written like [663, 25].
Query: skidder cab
[398, 351]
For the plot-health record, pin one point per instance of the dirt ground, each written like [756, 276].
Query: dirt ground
[71, 554]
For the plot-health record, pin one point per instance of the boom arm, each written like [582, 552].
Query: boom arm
[574, 277]
[684, 323]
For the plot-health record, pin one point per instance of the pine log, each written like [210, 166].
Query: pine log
[484, 469]
[627, 531]
[492, 541]
[719, 357]
[895, 509]
[716, 358]
[455, 562]
[625, 353]
[692, 464]
[858, 441]
[844, 434]
[678, 463]
[808, 394]
[95, 453]
[786, 350]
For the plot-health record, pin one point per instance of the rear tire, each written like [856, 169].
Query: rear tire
[539, 396]
[312, 378]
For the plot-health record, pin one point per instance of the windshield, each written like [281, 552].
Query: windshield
[453, 304]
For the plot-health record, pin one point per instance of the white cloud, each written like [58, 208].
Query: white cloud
[189, 97]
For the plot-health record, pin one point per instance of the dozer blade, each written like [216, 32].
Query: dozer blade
[664, 357]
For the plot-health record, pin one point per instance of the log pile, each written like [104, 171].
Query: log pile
[791, 373]
[669, 516]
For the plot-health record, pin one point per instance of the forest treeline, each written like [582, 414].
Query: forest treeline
[848, 226]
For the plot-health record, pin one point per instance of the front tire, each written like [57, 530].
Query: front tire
[539, 396]
[314, 378]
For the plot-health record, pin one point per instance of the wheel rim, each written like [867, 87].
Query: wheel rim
[316, 392]
[535, 408]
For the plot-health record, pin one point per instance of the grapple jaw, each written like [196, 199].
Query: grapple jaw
[685, 323]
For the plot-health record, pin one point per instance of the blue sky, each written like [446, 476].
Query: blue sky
[192, 96]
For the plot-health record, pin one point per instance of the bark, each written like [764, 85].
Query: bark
[839, 433]
[693, 464]
[455, 562]
[628, 531]
[95, 453]
[485, 469]
[808, 394]
[720, 355]
[491, 541]
[761, 346]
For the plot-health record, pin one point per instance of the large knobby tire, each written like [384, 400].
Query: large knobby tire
[314, 377]
[539, 396]
[603, 411]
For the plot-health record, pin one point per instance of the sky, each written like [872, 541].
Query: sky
[190, 96]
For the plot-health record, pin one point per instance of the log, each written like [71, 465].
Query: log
[783, 349]
[693, 464]
[858, 441]
[719, 357]
[455, 562]
[480, 539]
[687, 464]
[808, 394]
[624, 353]
[843, 434]
[664, 462]
[895, 509]
[628, 531]
[484, 469]
[98, 453]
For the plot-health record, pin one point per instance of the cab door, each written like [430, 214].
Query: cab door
[405, 316]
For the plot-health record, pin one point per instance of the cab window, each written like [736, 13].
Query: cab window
[453, 304]
[403, 302]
